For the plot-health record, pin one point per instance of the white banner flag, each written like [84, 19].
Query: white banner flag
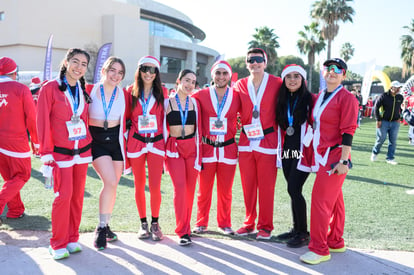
[366, 83]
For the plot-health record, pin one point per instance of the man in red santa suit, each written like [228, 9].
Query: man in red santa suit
[17, 115]
[258, 143]
[219, 106]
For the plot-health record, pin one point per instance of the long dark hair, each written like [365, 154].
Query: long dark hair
[69, 55]
[138, 87]
[303, 107]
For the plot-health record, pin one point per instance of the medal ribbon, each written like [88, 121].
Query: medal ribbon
[75, 99]
[111, 101]
[145, 103]
[220, 106]
[183, 114]
[290, 114]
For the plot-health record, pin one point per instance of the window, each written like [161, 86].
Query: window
[171, 64]
[1, 15]
[163, 30]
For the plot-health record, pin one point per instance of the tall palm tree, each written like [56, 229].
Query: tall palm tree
[310, 43]
[266, 39]
[347, 51]
[407, 49]
[330, 13]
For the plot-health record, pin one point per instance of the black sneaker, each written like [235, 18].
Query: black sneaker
[185, 240]
[287, 235]
[110, 236]
[300, 239]
[100, 238]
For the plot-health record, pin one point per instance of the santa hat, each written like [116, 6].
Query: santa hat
[221, 64]
[36, 83]
[149, 59]
[7, 66]
[293, 68]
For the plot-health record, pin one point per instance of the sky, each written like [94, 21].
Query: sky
[229, 25]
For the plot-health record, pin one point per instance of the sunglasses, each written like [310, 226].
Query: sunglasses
[336, 69]
[150, 69]
[257, 59]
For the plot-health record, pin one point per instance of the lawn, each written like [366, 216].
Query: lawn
[379, 214]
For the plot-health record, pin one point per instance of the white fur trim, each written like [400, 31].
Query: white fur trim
[294, 68]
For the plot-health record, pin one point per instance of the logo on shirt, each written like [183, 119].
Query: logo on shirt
[3, 100]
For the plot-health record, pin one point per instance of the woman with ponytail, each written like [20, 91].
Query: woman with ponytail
[65, 145]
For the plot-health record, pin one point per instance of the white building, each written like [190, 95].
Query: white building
[134, 27]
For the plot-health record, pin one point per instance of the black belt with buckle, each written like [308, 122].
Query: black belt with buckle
[71, 152]
[216, 143]
[148, 139]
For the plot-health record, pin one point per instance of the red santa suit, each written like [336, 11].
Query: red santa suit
[17, 115]
[183, 163]
[149, 147]
[55, 109]
[337, 115]
[219, 156]
[257, 158]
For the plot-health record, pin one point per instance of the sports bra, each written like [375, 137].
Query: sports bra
[174, 117]
[96, 108]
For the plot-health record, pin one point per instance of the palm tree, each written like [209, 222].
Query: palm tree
[407, 50]
[347, 51]
[266, 39]
[330, 13]
[310, 43]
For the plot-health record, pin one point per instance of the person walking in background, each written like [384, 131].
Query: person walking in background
[388, 114]
[65, 144]
[17, 115]
[219, 105]
[334, 122]
[183, 151]
[145, 141]
[107, 127]
[258, 143]
[293, 116]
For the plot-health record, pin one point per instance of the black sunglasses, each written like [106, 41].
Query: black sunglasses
[146, 69]
[257, 59]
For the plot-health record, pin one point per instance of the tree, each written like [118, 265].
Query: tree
[266, 39]
[311, 42]
[347, 51]
[238, 65]
[407, 50]
[395, 73]
[330, 13]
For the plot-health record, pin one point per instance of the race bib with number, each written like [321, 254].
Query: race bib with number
[253, 131]
[147, 124]
[218, 126]
[76, 130]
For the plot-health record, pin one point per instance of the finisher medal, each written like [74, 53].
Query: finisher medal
[255, 114]
[218, 123]
[290, 131]
[105, 125]
[75, 119]
[182, 133]
[314, 125]
[144, 121]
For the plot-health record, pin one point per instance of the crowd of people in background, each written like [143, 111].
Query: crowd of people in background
[193, 132]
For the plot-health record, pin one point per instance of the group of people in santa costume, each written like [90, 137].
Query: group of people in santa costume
[194, 134]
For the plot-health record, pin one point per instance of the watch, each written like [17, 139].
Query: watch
[344, 162]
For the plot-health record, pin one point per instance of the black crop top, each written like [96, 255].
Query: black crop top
[174, 117]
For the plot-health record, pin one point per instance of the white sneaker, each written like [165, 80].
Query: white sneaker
[373, 157]
[59, 254]
[226, 230]
[392, 161]
[199, 229]
[74, 247]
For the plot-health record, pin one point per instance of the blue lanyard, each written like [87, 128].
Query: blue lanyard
[75, 99]
[183, 114]
[145, 103]
[290, 114]
[221, 105]
[107, 110]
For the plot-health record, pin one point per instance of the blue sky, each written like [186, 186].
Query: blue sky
[229, 26]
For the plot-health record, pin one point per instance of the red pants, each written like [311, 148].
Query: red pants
[327, 209]
[15, 173]
[184, 178]
[225, 176]
[258, 175]
[155, 165]
[67, 206]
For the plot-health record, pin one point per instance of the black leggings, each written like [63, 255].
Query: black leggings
[295, 180]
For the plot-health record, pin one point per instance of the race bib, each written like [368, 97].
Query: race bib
[218, 126]
[147, 124]
[76, 129]
[253, 131]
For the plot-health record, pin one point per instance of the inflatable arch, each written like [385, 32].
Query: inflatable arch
[383, 77]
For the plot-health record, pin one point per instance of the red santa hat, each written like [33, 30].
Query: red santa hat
[149, 59]
[293, 68]
[35, 84]
[221, 64]
[7, 66]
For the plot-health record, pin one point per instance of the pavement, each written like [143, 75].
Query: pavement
[26, 252]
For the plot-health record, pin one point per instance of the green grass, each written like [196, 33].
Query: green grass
[379, 214]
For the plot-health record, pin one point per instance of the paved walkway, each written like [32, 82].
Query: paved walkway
[26, 252]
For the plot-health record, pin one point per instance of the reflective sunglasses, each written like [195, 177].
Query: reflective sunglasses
[257, 59]
[146, 69]
[336, 69]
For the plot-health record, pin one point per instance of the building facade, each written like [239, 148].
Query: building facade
[134, 27]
